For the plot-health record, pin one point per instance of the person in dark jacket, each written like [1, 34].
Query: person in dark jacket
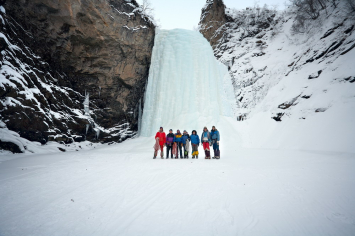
[206, 140]
[195, 142]
[169, 143]
[178, 141]
[185, 142]
[215, 141]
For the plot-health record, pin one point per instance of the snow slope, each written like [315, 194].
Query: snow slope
[293, 90]
[121, 190]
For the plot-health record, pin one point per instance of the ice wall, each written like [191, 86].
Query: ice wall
[187, 87]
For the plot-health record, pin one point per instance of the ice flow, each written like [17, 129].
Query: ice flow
[187, 87]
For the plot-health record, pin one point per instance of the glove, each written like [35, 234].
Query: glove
[217, 142]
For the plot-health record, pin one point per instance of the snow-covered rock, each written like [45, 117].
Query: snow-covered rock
[293, 89]
[35, 104]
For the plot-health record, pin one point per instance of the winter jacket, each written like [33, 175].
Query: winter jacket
[161, 137]
[195, 139]
[170, 139]
[184, 138]
[178, 138]
[207, 135]
[215, 135]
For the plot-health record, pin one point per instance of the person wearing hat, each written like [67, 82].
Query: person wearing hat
[215, 141]
[195, 142]
[161, 138]
[178, 141]
[169, 143]
[206, 139]
[185, 142]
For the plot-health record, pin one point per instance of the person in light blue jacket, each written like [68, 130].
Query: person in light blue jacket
[185, 139]
[206, 142]
[215, 141]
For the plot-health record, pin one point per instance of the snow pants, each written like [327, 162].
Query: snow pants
[169, 148]
[194, 149]
[179, 146]
[206, 145]
[215, 145]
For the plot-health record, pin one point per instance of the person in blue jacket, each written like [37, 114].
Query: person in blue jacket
[178, 141]
[185, 140]
[215, 141]
[195, 142]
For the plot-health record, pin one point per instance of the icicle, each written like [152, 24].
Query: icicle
[87, 128]
[140, 116]
[86, 104]
[97, 133]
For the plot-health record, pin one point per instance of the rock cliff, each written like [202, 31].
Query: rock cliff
[98, 50]
[213, 17]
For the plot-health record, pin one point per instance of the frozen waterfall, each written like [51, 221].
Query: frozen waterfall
[187, 87]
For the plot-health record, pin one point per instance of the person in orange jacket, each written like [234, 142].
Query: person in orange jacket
[162, 140]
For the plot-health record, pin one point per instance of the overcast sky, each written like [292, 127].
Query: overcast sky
[186, 13]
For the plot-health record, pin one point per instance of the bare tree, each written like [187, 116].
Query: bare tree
[147, 7]
[351, 5]
[308, 8]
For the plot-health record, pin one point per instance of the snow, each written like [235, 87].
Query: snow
[28, 147]
[2, 9]
[294, 177]
[121, 190]
[187, 87]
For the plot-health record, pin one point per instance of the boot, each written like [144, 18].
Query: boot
[208, 154]
[155, 155]
[193, 156]
[197, 157]
[217, 154]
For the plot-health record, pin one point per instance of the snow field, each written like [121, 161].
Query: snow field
[121, 190]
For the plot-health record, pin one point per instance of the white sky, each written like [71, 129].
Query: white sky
[186, 13]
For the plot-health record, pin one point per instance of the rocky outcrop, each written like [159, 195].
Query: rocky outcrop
[55, 52]
[264, 49]
[218, 23]
[213, 17]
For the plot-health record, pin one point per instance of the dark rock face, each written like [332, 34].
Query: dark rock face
[102, 45]
[213, 16]
[65, 49]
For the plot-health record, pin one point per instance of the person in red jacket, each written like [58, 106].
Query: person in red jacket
[162, 140]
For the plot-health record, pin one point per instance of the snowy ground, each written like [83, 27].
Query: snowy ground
[121, 190]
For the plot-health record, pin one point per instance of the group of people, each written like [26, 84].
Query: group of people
[179, 143]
